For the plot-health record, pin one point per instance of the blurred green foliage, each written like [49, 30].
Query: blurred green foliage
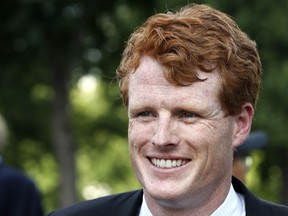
[89, 37]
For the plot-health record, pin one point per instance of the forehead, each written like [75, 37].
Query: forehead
[148, 77]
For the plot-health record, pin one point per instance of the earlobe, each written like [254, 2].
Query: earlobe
[243, 123]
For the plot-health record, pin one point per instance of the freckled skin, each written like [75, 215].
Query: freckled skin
[186, 122]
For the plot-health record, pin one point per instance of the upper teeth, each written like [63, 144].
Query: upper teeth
[168, 163]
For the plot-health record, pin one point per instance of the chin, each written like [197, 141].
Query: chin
[165, 191]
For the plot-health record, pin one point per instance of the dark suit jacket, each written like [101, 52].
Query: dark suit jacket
[18, 194]
[128, 204]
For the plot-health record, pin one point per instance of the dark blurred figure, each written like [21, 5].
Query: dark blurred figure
[256, 140]
[18, 194]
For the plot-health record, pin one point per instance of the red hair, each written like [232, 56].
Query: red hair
[197, 37]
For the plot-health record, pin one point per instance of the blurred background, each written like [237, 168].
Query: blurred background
[58, 93]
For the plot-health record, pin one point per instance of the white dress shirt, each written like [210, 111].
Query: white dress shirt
[233, 205]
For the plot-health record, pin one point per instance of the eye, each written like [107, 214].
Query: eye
[188, 117]
[140, 113]
[185, 114]
[144, 114]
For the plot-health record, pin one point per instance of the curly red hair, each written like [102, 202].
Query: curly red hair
[197, 37]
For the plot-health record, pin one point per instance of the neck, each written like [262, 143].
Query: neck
[202, 203]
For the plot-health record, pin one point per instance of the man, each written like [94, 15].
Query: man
[190, 81]
[18, 194]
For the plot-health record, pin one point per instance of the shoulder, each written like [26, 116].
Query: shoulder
[256, 206]
[14, 183]
[118, 204]
[9, 175]
[274, 209]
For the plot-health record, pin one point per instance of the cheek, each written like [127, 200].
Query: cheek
[132, 135]
[212, 144]
[135, 151]
[138, 133]
[130, 126]
[221, 147]
[135, 139]
[132, 153]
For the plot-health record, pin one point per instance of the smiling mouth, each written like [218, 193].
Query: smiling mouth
[168, 164]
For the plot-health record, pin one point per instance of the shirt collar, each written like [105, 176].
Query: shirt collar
[233, 205]
[144, 211]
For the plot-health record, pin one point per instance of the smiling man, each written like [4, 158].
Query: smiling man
[190, 81]
[178, 136]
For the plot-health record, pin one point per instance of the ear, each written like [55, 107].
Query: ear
[243, 122]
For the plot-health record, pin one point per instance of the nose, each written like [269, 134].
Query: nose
[165, 133]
